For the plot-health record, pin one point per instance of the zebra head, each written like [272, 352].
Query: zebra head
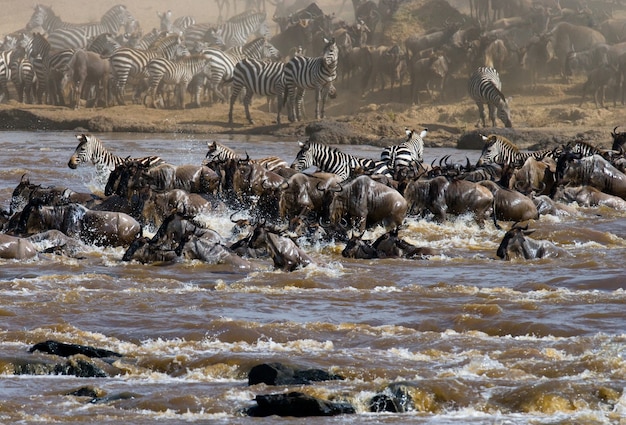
[84, 150]
[497, 150]
[504, 113]
[41, 18]
[331, 53]
[304, 158]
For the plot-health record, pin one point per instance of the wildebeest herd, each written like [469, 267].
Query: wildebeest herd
[275, 204]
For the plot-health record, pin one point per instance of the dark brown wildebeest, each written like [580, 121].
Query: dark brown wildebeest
[85, 70]
[304, 193]
[26, 192]
[285, 253]
[588, 196]
[51, 241]
[103, 228]
[366, 203]
[442, 195]
[593, 171]
[515, 243]
[388, 245]
[510, 205]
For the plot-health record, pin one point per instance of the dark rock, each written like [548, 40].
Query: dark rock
[280, 374]
[296, 404]
[395, 398]
[333, 133]
[90, 392]
[75, 367]
[65, 350]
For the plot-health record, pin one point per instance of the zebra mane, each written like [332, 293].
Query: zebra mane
[583, 147]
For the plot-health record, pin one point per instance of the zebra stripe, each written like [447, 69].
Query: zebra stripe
[177, 25]
[332, 160]
[501, 151]
[303, 73]
[220, 153]
[484, 87]
[128, 61]
[77, 36]
[223, 63]
[43, 17]
[91, 149]
[178, 73]
[7, 61]
[257, 77]
[407, 153]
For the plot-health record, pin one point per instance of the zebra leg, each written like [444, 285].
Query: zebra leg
[492, 114]
[300, 104]
[481, 114]
[246, 104]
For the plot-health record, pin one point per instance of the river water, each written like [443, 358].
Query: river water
[483, 341]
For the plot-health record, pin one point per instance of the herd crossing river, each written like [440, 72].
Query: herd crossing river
[480, 340]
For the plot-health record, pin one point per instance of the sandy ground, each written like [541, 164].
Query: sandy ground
[545, 116]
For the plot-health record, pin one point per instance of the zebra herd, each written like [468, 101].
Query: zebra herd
[199, 58]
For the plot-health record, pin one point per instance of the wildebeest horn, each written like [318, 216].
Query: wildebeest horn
[614, 132]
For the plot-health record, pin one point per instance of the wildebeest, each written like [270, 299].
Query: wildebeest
[366, 203]
[588, 196]
[388, 245]
[304, 193]
[442, 196]
[510, 205]
[26, 192]
[567, 37]
[597, 82]
[87, 69]
[424, 72]
[16, 248]
[592, 170]
[515, 243]
[103, 228]
[285, 253]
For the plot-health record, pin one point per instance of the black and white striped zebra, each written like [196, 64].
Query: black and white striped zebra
[129, 62]
[223, 62]
[44, 18]
[174, 72]
[7, 60]
[406, 154]
[303, 73]
[78, 36]
[258, 77]
[218, 153]
[91, 149]
[24, 79]
[500, 150]
[484, 87]
[332, 160]
[178, 25]
[238, 29]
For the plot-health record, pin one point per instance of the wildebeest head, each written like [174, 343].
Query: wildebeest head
[513, 242]
[618, 140]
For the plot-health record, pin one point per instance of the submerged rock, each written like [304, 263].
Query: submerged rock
[280, 374]
[65, 350]
[298, 405]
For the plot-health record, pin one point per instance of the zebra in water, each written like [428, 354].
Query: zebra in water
[332, 160]
[219, 153]
[129, 62]
[484, 86]
[178, 73]
[303, 73]
[223, 62]
[499, 150]
[406, 154]
[91, 149]
[257, 77]
[77, 36]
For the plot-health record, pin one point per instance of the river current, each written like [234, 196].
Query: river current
[483, 341]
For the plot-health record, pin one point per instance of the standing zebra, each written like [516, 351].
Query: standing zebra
[484, 87]
[239, 28]
[128, 61]
[303, 73]
[91, 149]
[406, 154]
[178, 73]
[223, 63]
[500, 150]
[178, 25]
[257, 77]
[220, 153]
[77, 36]
[332, 160]
[24, 79]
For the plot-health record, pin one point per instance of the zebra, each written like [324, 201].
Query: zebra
[221, 153]
[178, 25]
[77, 36]
[24, 79]
[407, 153]
[484, 86]
[7, 60]
[502, 151]
[257, 77]
[223, 62]
[237, 29]
[332, 160]
[91, 149]
[178, 73]
[128, 61]
[44, 18]
[317, 73]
